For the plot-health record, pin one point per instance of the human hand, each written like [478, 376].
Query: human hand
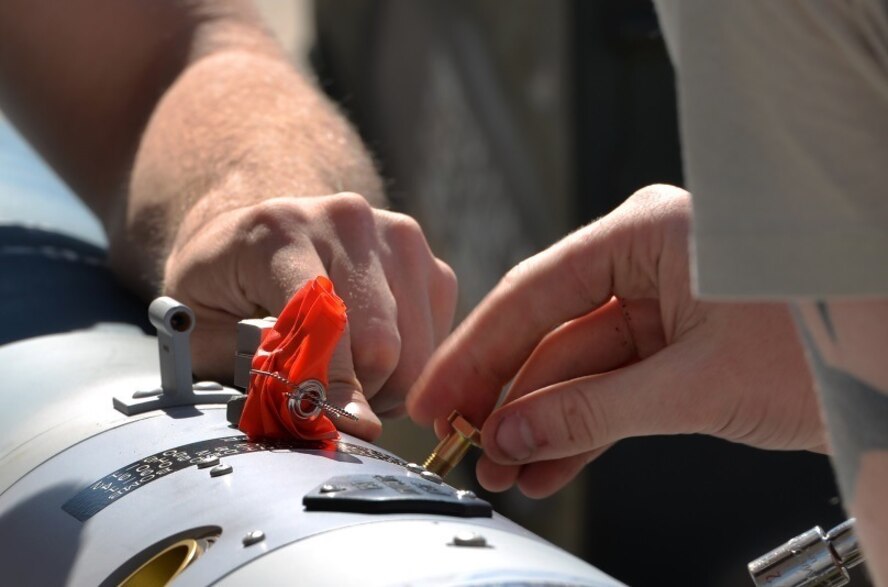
[605, 341]
[251, 259]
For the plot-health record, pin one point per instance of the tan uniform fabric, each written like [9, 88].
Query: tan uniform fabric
[784, 121]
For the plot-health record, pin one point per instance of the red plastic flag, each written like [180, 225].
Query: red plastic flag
[298, 349]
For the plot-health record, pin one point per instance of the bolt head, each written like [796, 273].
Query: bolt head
[220, 470]
[464, 428]
[433, 477]
[253, 537]
[414, 468]
[207, 461]
[468, 538]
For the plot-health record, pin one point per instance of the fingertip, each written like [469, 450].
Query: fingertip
[427, 404]
[375, 350]
[413, 412]
[394, 413]
[544, 478]
[494, 476]
[442, 427]
[368, 426]
[508, 437]
[417, 404]
[535, 490]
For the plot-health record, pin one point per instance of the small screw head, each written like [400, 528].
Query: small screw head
[414, 468]
[433, 477]
[253, 537]
[220, 470]
[468, 538]
[207, 461]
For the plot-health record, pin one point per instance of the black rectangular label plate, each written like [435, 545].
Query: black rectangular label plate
[387, 494]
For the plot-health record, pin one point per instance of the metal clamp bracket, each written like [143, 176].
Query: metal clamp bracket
[174, 323]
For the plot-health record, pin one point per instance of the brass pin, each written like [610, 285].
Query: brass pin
[454, 446]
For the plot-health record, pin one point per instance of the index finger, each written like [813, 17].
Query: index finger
[617, 255]
[492, 343]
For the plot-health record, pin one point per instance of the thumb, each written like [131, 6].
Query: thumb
[345, 391]
[654, 396]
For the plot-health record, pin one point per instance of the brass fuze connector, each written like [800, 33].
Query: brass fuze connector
[454, 446]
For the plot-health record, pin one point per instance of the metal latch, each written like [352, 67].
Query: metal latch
[174, 323]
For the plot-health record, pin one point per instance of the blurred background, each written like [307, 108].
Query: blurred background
[501, 126]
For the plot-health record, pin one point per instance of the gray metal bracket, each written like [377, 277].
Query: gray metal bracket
[174, 323]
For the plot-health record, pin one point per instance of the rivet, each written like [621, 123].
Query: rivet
[414, 468]
[433, 477]
[220, 470]
[253, 537]
[469, 539]
[207, 461]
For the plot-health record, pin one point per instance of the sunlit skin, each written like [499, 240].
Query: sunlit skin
[225, 179]
[602, 340]
[605, 341]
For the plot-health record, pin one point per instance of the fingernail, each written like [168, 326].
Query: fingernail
[515, 438]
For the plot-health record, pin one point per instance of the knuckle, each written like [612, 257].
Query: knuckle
[349, 206]
[512, 287]
[377, 358]
[348, 215]
[404, 230]
[575, 260]
[446, 283]
[390, 398]
[265, 239]
[443, 295]
[389, 407]
[584, 421]
[660, 201]
[271, 221]
[518, 274]
[658, 194]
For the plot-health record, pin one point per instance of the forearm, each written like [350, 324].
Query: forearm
[237, 127]
[175, 120]
[146, 108]
[846, 343]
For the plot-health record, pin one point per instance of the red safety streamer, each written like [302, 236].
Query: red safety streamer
[299, 348]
